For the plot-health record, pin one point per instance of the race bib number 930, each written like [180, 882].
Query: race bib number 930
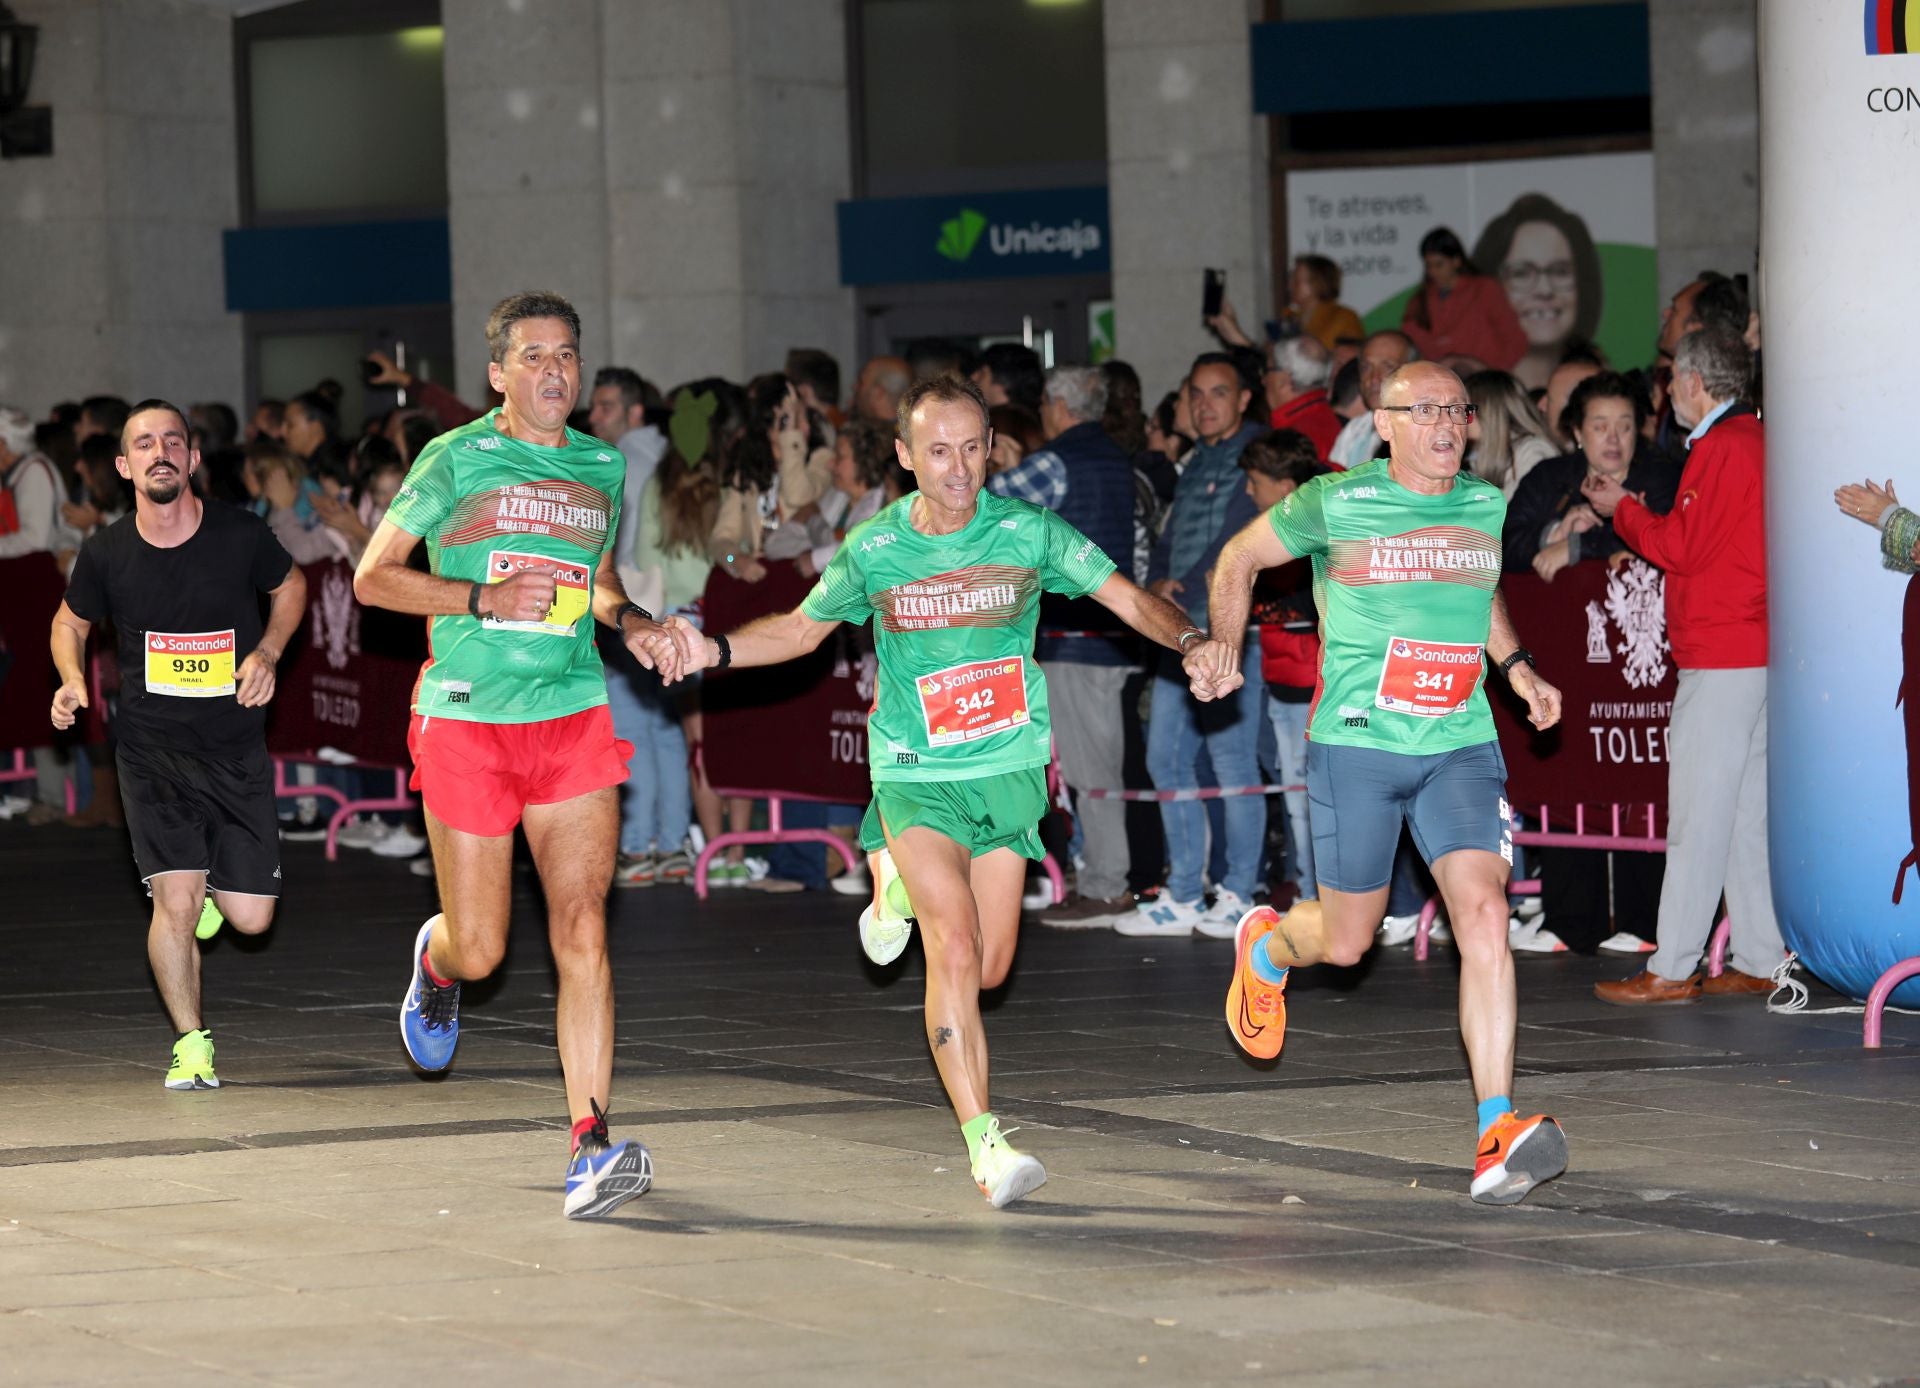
[190, 664]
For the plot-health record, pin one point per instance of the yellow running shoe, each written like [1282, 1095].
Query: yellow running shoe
[1003, 1173]
[210, 920]
[193, 1062]
[887, 924]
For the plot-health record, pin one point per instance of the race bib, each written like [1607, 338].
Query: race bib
[190, 664]
[978, 699]
[572, 592]
[1427, 678]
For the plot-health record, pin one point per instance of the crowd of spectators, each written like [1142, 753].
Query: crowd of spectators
[731, 478]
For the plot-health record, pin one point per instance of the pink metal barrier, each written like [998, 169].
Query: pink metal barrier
[775, 832]
[1613, 841]
[345, 808]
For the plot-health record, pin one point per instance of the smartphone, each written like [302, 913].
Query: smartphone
[1213, 293]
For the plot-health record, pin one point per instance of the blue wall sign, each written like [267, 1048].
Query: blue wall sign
[975, 236]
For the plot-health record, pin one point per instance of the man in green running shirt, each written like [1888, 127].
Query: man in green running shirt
[1406, 565]
[958, 740]
[510, 723]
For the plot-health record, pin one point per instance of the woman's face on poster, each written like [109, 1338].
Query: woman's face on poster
[1539, 275]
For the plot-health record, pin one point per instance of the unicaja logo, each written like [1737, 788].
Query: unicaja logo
[959, 235]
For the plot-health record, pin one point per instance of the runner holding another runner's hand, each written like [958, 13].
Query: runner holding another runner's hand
[959, 735]
[1406, 566]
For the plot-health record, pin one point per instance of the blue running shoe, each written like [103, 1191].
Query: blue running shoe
[430, 1014]
[604, 1174]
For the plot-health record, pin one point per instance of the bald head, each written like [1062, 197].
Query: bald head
[1421, 379]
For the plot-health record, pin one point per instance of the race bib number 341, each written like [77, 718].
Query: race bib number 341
[1427, 678]
[978, 699]
[190, 664]
[572, 591]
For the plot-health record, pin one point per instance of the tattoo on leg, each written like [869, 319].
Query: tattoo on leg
[941, 1035]
[1292, 948]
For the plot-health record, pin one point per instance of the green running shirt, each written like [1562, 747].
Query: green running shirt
[1404, 584]
[959, 694]
[488, 505]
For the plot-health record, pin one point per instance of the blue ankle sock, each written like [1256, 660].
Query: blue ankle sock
[1491, 1109]
[1264, 968]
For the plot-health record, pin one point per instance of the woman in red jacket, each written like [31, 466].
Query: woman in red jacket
[1459, 312]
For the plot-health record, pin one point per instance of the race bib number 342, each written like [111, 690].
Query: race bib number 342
[190, 664]
[978, 699]
[1427, 678]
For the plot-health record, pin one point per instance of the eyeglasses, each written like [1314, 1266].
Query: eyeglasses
[1524, 275]
[1427, 413]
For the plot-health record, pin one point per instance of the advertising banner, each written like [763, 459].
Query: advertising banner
[1572, 240]
[975, 236]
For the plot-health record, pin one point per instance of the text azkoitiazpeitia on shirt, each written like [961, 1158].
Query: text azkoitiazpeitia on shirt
[488, 506]
[960, 694]
[1404, 583]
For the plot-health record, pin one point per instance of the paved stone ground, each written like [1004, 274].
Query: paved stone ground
[1744, 1205]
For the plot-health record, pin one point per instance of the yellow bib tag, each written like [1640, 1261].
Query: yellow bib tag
[572, 591]
[190, 664]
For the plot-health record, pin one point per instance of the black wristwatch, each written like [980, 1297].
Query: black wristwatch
[620, 617]
[1520, 653]
[473, 600]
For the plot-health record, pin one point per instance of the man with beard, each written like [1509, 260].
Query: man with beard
[510, 723]
[180, 579]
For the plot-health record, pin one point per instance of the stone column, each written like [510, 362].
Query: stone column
[1186, 177]
[111, 280]
[1706, 138]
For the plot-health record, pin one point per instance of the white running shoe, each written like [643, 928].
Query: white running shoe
[1038, 895]
[1529, 907]
[1533, 938]
[887, 922]
[1222, 919]
[399, 842]
[1626, 942]
[859, 882]
[1162, 917]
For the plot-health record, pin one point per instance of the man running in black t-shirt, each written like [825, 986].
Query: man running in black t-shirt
[181, 581]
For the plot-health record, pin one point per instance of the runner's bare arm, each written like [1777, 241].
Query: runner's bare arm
[768, 640]
[1153, 616]
[69, 642]
[1213, 665]
[384, 580]
[286, 605]
[1543, 700]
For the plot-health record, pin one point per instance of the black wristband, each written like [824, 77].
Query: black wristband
[726, 652]
[1520, 653]
[473, 600]
[633, 607]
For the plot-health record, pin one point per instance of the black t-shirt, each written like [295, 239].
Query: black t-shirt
[186, 618]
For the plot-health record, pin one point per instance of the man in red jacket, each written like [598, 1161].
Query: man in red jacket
[1713, 547]
[1296, 389]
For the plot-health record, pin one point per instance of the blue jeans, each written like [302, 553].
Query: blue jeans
[1177, 728]
[1290, 769]
[657, 800]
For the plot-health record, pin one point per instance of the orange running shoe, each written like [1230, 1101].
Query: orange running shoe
[1256, 1009]
[1515, 1155]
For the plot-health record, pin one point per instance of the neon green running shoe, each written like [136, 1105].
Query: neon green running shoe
[1003, 1173]
[193, 1062]
[887, 923]
[210, 920]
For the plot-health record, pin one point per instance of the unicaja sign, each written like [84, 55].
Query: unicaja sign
[959, 235]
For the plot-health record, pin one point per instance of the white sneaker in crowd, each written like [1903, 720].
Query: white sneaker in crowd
[1529, 907]
[1038, 895]
[1160, 917]
[1222, 919]
[362, 833]
[857, 882]
[400, 842]
[1533, 937]
[421, 866]
[1398, 930]
[1626, 942]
